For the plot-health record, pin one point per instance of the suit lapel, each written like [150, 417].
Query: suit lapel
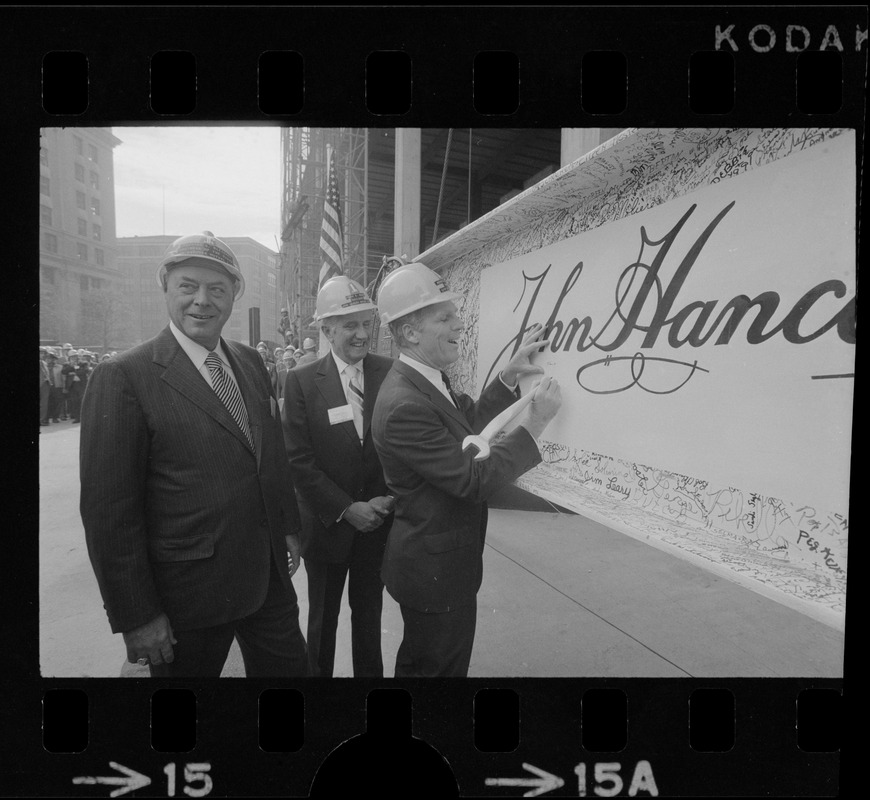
[328, 383]
[374, 372]
[182, 376]
[432, 392]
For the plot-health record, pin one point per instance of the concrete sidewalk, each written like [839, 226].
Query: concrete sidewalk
[562, 596]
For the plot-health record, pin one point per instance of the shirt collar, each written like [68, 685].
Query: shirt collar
[433, 375]
[195, 351]
[341, 364]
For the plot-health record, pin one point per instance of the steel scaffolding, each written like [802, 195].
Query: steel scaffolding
[304, 153]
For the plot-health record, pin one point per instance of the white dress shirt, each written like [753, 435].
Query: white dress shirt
[198, 354]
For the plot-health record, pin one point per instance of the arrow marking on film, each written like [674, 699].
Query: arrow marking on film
[545, 782]
[134, 780]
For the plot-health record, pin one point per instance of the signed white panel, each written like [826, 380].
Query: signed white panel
[711, 335]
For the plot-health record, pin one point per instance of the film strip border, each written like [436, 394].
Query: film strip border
[471, 738]
[403, 66]
[772, 66]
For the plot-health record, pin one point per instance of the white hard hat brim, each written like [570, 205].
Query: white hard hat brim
[446, 297]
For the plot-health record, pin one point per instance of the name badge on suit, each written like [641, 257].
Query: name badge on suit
[340, 414]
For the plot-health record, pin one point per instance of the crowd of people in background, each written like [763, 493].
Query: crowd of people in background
[282, 359]
[64, 372]
[63, 377]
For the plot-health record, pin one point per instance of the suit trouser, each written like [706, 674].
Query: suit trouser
[366, 599]
[270, 639]
[44, 393]
[55, 402]
[74, 400]
[437, 645]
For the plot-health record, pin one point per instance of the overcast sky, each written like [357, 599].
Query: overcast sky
[223, 179]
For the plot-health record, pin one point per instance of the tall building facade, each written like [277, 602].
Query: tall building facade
[138, 260]
[80, 297]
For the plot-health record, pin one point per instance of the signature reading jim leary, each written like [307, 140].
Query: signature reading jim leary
[694, 323]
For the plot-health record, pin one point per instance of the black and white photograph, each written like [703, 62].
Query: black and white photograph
[627, 535]
[519, 452]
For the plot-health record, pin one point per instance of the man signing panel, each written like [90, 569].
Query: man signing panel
[184, 498]
[337, 474]
[433, 563]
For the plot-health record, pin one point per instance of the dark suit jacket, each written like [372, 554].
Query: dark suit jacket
[180, 515]
[433, 560]
[330, 468]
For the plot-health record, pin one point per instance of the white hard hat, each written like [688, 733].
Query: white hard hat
[207, 247]
[410, 288]
[339, 296]
[308, 344]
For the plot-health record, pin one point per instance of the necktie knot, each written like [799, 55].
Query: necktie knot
[449, 389]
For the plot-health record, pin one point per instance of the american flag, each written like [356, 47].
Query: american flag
[330, 229]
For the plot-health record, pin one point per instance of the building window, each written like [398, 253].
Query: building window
[95, 206]
[98, 255]
[83, 227]
[82, 251]
[98, 233]
[81, 201]
[50, 242]
[45, 215]
[96, 283]
[44, 186]
[80, 173]
[95, 180]
[92, 153]
[270, 279]
[79, 145]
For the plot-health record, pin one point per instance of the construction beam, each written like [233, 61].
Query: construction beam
[482, 172]
[406, 229]
[577, 142]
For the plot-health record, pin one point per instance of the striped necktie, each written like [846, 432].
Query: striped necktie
[226, 389]
[355, 396]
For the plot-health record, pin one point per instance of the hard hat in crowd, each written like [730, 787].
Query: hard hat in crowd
[340, 296]
[410, 288]
[68, 346]
[206, 247]
[309, 344]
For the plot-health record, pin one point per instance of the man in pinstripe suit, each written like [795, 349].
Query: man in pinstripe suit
[184, 498]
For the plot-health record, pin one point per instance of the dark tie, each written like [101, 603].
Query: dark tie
[229, 393]
[449, 388]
